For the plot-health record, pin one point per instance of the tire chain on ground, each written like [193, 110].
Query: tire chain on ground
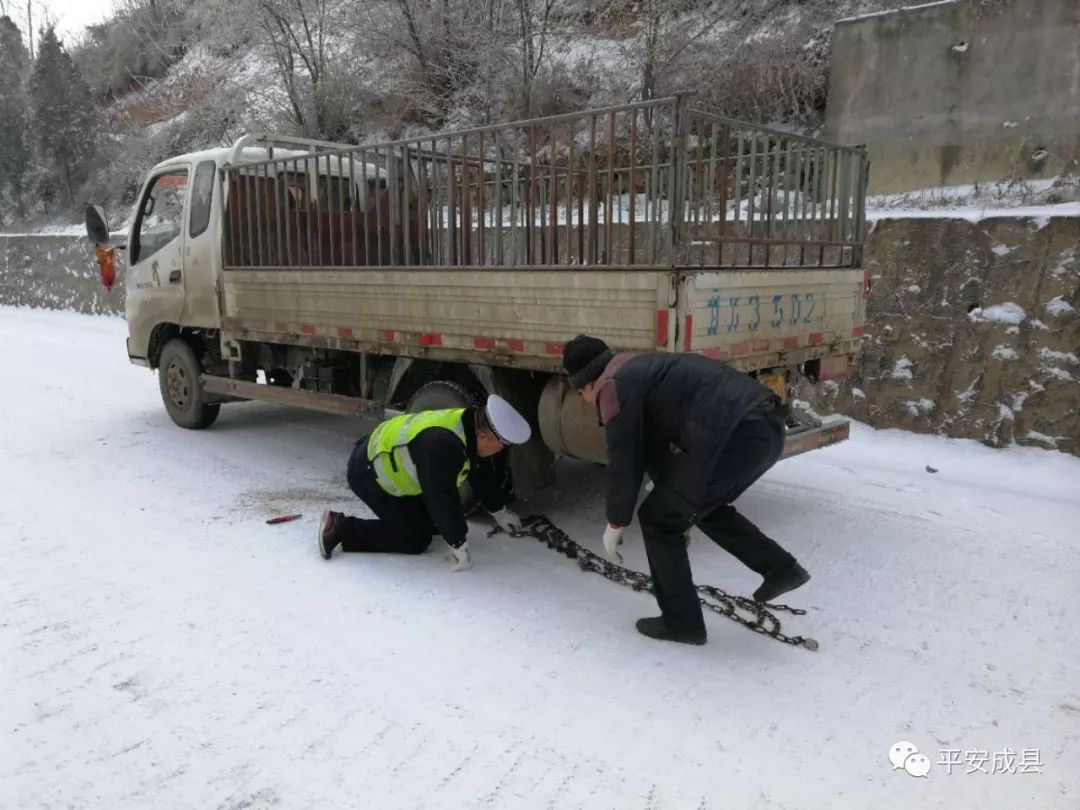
[760, 617]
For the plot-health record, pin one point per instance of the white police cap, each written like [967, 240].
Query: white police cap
[508, 425]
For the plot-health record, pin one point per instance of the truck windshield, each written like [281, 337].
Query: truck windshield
[161, 215]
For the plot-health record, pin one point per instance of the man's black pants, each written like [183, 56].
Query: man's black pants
[755, 445]
[403, 526]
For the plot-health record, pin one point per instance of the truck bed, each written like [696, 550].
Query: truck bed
[522, 318]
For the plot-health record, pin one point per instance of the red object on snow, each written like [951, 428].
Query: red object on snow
[282, 519]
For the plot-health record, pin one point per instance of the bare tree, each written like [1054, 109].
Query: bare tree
[296, 33]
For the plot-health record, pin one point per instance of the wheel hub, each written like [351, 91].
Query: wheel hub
[178, 385]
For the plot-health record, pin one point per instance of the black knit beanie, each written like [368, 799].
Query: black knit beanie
[584, 359]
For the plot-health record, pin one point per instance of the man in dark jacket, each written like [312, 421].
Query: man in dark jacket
[704, 432]
[410, 470]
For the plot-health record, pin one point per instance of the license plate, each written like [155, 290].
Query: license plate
[777, 383]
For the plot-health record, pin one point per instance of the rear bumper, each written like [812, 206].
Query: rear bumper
[802, 439]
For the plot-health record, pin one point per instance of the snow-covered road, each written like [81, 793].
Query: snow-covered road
[161, 647]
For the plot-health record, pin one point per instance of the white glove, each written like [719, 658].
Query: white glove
[508, 520]
[612, 541]
[459, 558]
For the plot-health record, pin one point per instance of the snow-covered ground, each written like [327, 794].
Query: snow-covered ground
[161, 647]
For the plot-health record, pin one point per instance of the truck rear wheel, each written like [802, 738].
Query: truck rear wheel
[179, 374]
[441, 394]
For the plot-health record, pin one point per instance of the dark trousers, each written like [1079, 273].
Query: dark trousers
[754, 446]
[403, 526]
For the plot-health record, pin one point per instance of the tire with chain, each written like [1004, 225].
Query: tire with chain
[179, 373]
[759, 617]
[446, 394]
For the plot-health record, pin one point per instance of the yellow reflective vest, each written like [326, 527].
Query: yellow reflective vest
[388, 448]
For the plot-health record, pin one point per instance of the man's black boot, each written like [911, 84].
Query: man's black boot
[656, 628]
[329, 533]
[780, 580]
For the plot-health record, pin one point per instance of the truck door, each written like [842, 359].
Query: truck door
[155, 275]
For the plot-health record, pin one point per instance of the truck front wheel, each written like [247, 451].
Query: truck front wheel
[179, 375]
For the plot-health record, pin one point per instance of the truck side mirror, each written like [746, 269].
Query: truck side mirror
[97, 225]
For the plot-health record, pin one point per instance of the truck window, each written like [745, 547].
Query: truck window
[161, 215]
[202, 194]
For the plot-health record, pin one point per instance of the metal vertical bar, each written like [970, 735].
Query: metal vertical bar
[365, 217]
[516, 252]
[498, 202]
[652, 184]
[258, 218]
[339, 184]
[480, 199]
[531, 199]
[394, 199]
[710, 180]
[279, 258]
[593, 213]
[700, 197]
[380, 199]
[787, 196]
[438, 252]
[466, 204]
[552, 253]
[608, 233]
[769, 230]
[405, 204]
[751, 193]
[353, 202]
[285, 199]
[725, 161]
[676, 165]
[452, 253]
[632, 241]
[568, 181]
[737, 199]
[581, 257]
[800, 202]
[327, 183]
[825, 204]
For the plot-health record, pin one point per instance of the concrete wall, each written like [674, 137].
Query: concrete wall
[56, 272]
[959, 92]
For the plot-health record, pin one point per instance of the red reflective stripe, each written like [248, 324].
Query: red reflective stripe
[760, 345]
[661, 327]
[484, 343]
[742, 348]
[516, 345]
[716, 354]
[816, 338]
[388, 336]
[281, 326]
[688, 337]
[307, 329]
[431, 339]
[553, 348]
[791, 343]
[858, 331]
[344, 332]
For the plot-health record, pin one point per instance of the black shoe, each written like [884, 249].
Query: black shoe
[656, 628]
[781, 580]
[329, 531]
